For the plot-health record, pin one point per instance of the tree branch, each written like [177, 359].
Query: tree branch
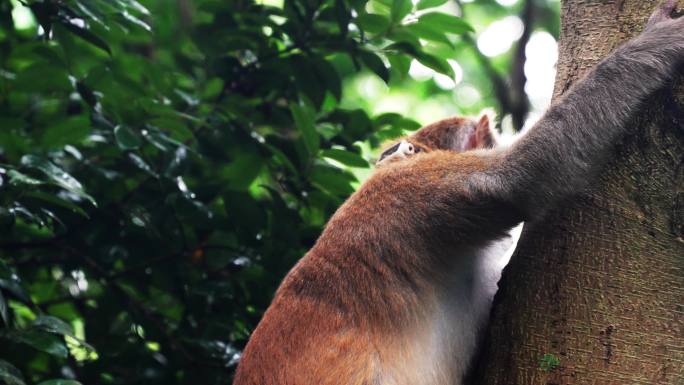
[519, 102]
[509, 92]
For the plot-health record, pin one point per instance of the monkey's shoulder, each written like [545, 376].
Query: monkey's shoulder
[425, 173]
[410, 192]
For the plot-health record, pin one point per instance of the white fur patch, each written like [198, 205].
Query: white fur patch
[442, 352]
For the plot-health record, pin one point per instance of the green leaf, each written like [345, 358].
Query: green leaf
[87, 36]
[375, 64]
[177, 131]
[136, 6]
[53, 325]
[57, 201]
[436, 63]
[13, 286]
[69, 131]
[403, 47]
[305, 118]
[445, 23]
[332, 179]
[134, 20]
[126, 139]
[345, 157]
[52, 78]
[282, 158]
[400, 65]
[17, 179]
[307, 80]
[404, 35]
[428, 32]
[4, 311]
[400, 8]
[10, 375]
[395, 120]
[29, 216]
[60, 382]
[212, 89]
[57, 176]
[329, 76]
[141, 164]
[39, 340]
[372, 22]
[423, 4]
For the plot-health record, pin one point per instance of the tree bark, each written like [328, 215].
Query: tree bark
[599, 283]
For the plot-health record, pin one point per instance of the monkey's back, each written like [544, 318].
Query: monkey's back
[364, 305]
[308, 338]
[302, 341]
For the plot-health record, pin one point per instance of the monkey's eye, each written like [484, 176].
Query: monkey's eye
[418, 150]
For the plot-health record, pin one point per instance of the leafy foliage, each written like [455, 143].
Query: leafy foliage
[164, 164]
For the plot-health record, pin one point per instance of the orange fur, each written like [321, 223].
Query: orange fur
[350, 310]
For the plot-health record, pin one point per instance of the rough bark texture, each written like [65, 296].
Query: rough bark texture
[600, 283]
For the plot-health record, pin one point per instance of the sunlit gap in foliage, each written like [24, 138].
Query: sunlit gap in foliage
[272, 3]
[507, 3]
[22, 16]
[378, 98]
[540, 69]
[500, 36]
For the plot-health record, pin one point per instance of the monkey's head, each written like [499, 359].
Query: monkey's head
[453, 134]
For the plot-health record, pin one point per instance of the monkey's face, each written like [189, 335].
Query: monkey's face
[453, 134]
[402, 150]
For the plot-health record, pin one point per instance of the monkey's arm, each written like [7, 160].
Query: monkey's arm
[568, 146]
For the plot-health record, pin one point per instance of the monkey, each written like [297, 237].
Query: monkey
[463, 137]
[398, 287]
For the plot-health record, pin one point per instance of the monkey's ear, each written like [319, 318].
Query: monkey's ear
[481, 136]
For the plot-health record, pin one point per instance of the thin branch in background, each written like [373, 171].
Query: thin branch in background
[510, 93]
[519, 102]
[497, 80]
[186, 12]
[499, 83]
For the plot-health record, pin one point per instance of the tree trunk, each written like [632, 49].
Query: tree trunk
[599, 284]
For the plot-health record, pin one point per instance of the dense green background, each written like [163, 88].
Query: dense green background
[164, 163]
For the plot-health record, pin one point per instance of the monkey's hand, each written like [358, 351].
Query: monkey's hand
[664, 13]
[665, 29]
[659, 51]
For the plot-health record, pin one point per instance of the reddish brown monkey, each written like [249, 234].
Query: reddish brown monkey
[398, 286]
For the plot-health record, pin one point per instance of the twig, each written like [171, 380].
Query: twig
[512, 99]
[520, 103]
